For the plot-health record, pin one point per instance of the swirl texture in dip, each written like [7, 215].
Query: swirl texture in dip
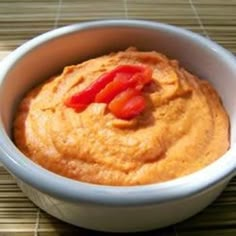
[183, 128]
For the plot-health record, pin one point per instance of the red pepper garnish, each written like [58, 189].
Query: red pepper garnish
[80, 100]
[119, 84]
[127, 104]
[110, 85]
[123, 81]
[85, 97]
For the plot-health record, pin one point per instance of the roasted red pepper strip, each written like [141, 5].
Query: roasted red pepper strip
[123, 81]
[80, 101]
[71, 102]
[120, 88]
[127, 104]
[118, 85]
[87, 96]
[133, 107]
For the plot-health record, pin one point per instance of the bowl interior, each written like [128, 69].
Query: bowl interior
[48, 54]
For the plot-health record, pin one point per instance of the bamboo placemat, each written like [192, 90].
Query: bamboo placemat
[25, 19]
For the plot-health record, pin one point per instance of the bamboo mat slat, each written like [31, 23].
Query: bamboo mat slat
[25, 19]
[22, 20]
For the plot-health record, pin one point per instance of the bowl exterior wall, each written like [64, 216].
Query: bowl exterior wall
[123, 219]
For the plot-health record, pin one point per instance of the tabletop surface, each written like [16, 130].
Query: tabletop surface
[25, 19]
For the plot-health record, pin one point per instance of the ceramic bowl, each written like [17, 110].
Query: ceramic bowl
[107, 208]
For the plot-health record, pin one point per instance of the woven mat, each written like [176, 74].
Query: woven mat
[23, 20]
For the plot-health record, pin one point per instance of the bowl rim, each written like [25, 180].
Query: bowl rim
[76, 191]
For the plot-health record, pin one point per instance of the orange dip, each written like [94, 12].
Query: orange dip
[182, 129]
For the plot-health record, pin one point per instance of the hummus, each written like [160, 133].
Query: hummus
[183, 128]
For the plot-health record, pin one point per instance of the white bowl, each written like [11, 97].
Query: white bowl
[106, 208]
